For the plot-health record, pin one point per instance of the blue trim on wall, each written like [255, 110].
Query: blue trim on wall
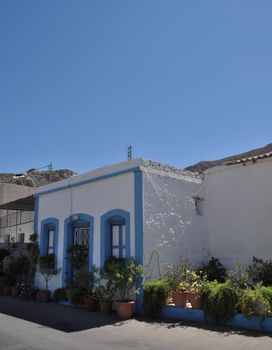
[46, 224]
[198, 315]
[98, 178]
[138, 199]
[67, 241]
[105, 233]
[36, 213]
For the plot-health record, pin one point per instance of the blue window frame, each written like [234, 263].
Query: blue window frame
[49, 237]
[115, 235]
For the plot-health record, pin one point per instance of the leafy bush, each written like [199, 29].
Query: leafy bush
[239, 277]
[214, 270]
[261, 271]
[175, 274]
[77, 255]
[59, 295]
[76, 296]
[219, 300]
[267, 293]
[85, 280]
[155, 295]
[123, 274]
[191, 281]
[254, 303]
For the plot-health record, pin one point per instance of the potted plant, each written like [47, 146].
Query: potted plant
[123, 273]
[186, 284]
[176, 274]
[190, 289]
[82, 288]
[48, 270]
[104, 294]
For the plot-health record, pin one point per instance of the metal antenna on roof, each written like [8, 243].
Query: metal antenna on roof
[50, 169]
[129, 152]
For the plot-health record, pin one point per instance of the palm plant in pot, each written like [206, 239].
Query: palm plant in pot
[48, 270]
[104, 294]
[123, 274]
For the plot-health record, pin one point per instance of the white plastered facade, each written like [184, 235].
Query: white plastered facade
[238, 210]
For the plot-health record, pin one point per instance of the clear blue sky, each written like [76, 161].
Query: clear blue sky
[179, 80]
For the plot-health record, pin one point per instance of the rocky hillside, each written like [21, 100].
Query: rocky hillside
[35, 178]
[202, 166]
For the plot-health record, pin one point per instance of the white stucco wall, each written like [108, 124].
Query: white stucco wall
[238, 207]
[170, 222]
[93, 199]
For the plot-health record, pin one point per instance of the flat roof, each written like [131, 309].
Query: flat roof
[110, 171]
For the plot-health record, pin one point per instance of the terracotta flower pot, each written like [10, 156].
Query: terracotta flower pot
[14, 291]
[125, 309]
[45, 296]
[195, 300]
[89, 303]
[180, 298]
[105, 307]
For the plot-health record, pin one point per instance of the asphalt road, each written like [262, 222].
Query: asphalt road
[32, 325]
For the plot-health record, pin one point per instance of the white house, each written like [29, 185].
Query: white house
[124, 210]
[139, 207]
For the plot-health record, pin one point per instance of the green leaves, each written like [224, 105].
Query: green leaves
[155, 296]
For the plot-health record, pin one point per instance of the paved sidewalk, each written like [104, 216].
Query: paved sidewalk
[27, 325]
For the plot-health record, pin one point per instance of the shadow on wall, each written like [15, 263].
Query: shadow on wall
[171, 224]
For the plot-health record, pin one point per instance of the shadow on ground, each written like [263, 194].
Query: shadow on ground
[70, 320]
[55, 316]
[212, 327]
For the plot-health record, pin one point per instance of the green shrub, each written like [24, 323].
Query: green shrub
[267, 293]
[239, 277]
[155, 296]
[261, 271]
[123, 274]
[77, 296]
[175, 274]
[253, 302]
[59, 295]
[219, 300]
[214, 270]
